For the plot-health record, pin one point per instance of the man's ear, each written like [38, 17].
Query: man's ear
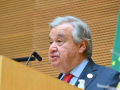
[82, 46]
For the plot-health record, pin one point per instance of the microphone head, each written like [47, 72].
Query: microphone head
[111, 50]
[114, 52]
[37, 56]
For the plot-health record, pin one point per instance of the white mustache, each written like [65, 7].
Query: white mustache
[55, 53]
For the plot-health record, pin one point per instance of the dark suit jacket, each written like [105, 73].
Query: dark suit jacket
[101, 75]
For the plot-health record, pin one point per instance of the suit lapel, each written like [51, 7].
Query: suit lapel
[60, 75]
[90, 68]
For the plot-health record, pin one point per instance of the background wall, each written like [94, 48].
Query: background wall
[24, 27]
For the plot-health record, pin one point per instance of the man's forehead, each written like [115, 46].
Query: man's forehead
[56, 35]
[63, 27]
[62, 30]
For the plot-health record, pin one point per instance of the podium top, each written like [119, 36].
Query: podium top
[16, 76]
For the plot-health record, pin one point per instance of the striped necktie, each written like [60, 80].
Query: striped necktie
[67, 78]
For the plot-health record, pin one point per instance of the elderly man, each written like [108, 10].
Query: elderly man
[70, 52]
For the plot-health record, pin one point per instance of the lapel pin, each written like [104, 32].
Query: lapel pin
[90, 76]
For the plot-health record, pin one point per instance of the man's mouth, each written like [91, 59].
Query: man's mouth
[53, 57]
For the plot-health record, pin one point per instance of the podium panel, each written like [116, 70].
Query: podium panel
[16, 76]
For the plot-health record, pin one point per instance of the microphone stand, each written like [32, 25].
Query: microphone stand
[29, 59]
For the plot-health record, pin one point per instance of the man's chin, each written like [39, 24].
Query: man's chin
[55, 65]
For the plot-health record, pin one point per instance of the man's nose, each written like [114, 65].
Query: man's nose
[53, 47]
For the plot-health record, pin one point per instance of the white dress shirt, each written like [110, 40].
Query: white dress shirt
[77, 71]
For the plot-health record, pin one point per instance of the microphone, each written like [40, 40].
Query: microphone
[23, 59]
[106, 87]
[116, 53]
[35, 55]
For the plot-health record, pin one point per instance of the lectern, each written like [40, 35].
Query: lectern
[16, 76]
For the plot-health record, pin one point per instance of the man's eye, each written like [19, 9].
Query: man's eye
[51, 42]
[59, 40]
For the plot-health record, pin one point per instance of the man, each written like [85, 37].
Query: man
[70, 52]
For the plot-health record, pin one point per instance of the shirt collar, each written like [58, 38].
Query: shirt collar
[78, 69]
